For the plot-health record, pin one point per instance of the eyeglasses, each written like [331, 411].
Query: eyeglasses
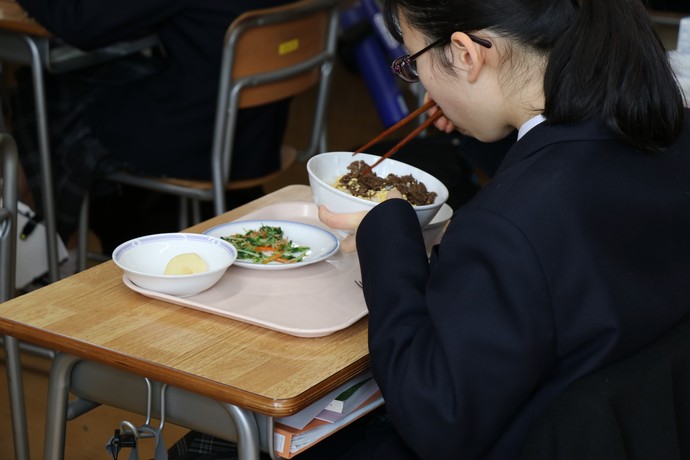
[405, 67]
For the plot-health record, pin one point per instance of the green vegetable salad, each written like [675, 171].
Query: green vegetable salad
[267, 244]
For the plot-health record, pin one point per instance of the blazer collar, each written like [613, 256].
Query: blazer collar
[545, 135]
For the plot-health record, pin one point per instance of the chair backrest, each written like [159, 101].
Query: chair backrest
[270, 55]
[278, 52]
[8, 216]
[636, 409]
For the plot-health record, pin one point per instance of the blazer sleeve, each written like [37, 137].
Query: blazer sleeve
[456, 347]
[88, 24]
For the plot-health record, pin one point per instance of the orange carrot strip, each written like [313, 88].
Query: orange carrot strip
[271, 258]
[284, 261]
[263, 248]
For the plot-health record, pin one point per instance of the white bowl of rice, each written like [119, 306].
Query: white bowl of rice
[326, 169]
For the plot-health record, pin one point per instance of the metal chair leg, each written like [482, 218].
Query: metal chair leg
[16, 391]
[44, 150]
[8, 238]
[83, 234]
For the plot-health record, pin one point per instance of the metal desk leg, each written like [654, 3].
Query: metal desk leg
[247, 432]
[56, 413]
[16, 391]
[46, 163]
[8, 252]
[268, 430]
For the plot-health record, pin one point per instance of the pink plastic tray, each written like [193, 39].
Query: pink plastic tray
[311, 301]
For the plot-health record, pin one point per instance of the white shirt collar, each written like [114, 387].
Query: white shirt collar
[529, 124]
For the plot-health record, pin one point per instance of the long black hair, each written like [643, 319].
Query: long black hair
[605, 59]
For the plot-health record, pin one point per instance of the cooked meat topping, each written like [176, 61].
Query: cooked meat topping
[375, 188]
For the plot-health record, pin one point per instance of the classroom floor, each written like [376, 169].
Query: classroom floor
[352, 121]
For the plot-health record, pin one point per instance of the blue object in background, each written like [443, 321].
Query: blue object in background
[374, 63]
[371, 10]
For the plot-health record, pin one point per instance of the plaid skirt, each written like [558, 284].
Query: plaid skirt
[371, 437]
[200, 446]
[77, 157]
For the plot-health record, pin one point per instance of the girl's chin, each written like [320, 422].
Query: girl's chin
[488, 138]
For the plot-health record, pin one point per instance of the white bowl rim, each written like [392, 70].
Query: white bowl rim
[440, 196]
[122, 248]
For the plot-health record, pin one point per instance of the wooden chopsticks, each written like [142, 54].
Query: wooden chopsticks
[424, 125]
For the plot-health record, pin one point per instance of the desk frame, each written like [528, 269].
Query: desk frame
[246, 424]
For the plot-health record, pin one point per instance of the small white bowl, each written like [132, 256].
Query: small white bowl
[324, 170]
[432, 233]
[144, 260]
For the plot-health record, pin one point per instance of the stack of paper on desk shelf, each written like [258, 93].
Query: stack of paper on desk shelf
[348, 400]
[300, 419]
[288, 441]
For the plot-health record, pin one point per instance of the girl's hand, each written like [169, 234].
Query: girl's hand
[348, 222]
[443, 123]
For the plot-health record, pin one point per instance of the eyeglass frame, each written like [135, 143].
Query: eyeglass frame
[407, 60]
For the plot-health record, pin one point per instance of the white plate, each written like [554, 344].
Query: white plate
[322, 243]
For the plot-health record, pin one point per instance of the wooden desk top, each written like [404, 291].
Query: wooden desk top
[93, 315]
[14, 18]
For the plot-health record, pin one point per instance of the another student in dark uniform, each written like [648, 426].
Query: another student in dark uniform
[153, 115]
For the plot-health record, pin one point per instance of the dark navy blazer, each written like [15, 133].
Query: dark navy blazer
[575, 255]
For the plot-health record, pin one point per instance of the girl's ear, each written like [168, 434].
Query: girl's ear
[468, 55]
